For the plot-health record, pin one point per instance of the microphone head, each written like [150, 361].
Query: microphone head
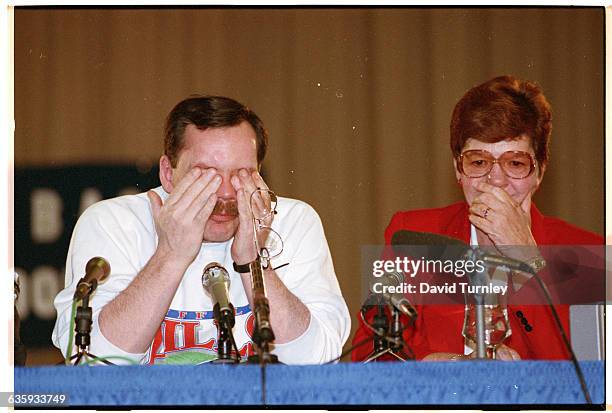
[428, 245]
[213, 272]
[405, 237]
[97, 268]
[216, 282]
[392, 278]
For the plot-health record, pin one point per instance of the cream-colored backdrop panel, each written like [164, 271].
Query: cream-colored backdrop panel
[357, 101]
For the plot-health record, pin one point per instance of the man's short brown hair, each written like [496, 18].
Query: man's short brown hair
[209, 112]
[503, 108]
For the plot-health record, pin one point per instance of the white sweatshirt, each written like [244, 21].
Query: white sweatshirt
[123, 232]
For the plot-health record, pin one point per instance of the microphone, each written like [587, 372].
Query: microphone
[406, 237]
[434, 246]
[96, 271]
[506, 263]
[216, 281]
[397, 300]
[440, 247]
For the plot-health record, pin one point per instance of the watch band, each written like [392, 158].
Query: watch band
[242, 269]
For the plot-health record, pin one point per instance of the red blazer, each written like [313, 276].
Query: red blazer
[438, 328]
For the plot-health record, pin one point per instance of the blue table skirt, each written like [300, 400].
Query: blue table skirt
[414, 383]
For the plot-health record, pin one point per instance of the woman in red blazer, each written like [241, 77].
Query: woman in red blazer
[499, 139]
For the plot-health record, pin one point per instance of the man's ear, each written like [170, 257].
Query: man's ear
[166, 173]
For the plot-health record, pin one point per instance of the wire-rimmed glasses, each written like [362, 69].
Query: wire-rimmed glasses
[268, 242]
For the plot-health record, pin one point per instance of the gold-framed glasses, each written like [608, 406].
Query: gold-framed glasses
[476, 163]
[268, 242]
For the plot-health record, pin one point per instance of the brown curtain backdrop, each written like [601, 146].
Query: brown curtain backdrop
[357, 101]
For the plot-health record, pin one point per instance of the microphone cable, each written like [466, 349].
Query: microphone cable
[70, 336]
[566, 342]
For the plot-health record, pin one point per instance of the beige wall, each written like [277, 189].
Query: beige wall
[357, 101]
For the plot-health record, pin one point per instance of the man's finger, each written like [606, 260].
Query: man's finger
[207, 209]
[259, 180]
[156, 203]
[244, 212]
[205, 193]
[183, 184]
[247, 181]
[186, 200]
[254, 198]
[235, 181]
[265, 195]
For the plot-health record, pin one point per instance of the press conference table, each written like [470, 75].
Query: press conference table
[413, 383]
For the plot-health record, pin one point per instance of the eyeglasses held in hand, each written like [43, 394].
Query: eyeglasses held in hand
[268, 242]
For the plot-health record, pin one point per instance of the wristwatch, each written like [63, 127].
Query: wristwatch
[242, 269]
[537, 263]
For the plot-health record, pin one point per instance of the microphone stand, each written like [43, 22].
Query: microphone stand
[380, 324]
[479, 278]
[83, 322]
[263, 334]
[388, 338]
[225, 321]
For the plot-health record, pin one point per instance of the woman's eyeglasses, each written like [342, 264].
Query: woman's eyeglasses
[478, 162]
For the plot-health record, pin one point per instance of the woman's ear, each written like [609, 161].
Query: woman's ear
[457, 173]
[541, 170]
[166, 173]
